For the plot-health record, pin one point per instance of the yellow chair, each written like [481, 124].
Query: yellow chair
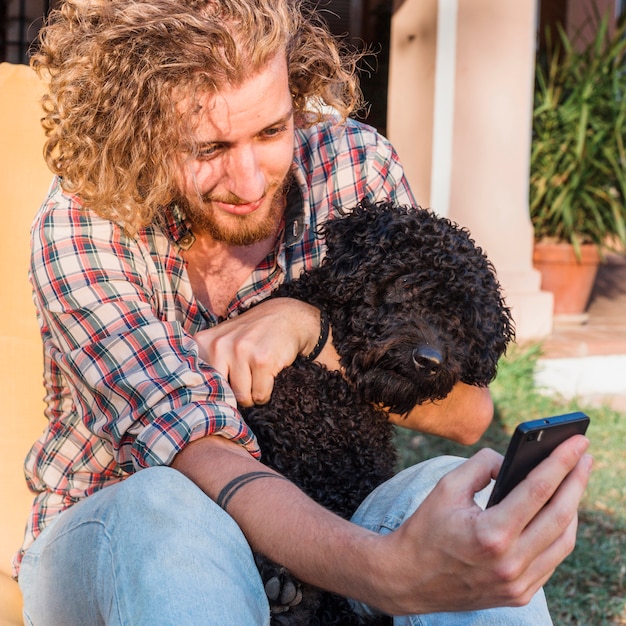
[24, 179]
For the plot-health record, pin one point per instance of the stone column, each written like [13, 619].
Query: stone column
[490, 135]
[411, 89]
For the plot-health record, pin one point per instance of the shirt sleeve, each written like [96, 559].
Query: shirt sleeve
[119, 357]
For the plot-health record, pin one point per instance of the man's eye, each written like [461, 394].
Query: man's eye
[208, 152]
[276, 130]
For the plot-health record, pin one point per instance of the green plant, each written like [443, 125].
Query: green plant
[578, 156]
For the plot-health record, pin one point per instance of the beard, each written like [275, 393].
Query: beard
[235, 230]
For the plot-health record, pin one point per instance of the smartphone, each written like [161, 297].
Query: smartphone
[531, 443]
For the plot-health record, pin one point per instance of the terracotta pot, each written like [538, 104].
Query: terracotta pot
[570, 279]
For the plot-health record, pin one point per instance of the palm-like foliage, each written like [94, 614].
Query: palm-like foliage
[578, 158]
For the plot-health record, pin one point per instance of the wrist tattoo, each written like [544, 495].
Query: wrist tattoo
[237, 483]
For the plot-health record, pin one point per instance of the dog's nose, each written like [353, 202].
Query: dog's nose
[427, 358]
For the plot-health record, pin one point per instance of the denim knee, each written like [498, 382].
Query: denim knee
[392, 502]
[152, 549]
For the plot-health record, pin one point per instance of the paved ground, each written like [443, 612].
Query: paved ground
[590, 359]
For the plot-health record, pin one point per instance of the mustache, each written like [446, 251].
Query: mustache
[229, 198]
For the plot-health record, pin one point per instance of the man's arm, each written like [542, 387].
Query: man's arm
[449, 555]
[252, 348]
[463, 415]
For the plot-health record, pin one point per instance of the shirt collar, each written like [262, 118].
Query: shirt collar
[176, 227]
[294, 215]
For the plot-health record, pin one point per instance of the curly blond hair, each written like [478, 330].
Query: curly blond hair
[115, 68]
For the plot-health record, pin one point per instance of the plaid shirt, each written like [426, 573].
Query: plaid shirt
[125, 388]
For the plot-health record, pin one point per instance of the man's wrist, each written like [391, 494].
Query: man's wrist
[322, 338]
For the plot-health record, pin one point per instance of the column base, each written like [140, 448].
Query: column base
[532, 308]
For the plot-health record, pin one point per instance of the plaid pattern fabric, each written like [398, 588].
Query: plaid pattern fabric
[125, 388]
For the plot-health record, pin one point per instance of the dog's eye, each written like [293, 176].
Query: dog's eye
[396, 289]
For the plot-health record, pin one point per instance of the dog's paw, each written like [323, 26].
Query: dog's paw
[283, 591]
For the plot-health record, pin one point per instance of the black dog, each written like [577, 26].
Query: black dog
[414, 306]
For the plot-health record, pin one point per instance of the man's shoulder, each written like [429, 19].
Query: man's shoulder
[63, 214]
[59, 200]
[336, 143]
[333, 130]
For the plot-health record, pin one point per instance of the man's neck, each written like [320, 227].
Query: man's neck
[217, 270]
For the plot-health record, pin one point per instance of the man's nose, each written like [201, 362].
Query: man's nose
[246, 178]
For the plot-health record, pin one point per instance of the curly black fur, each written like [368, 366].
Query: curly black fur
[415, 307]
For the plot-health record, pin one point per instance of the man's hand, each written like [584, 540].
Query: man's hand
[251, 349]
[465, 558]
[448, 556]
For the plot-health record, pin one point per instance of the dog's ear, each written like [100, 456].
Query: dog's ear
[357, 241]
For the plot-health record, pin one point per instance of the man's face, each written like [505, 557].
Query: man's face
[231, 183]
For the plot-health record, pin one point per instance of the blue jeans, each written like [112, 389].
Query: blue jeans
[155, 550]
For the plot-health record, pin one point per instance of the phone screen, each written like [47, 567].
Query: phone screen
[532, 442]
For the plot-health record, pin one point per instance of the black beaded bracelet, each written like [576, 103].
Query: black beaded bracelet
[323, 338]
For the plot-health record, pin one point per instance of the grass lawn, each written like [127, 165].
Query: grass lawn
[589, 588]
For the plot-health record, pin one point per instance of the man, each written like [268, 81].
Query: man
[195, 160]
